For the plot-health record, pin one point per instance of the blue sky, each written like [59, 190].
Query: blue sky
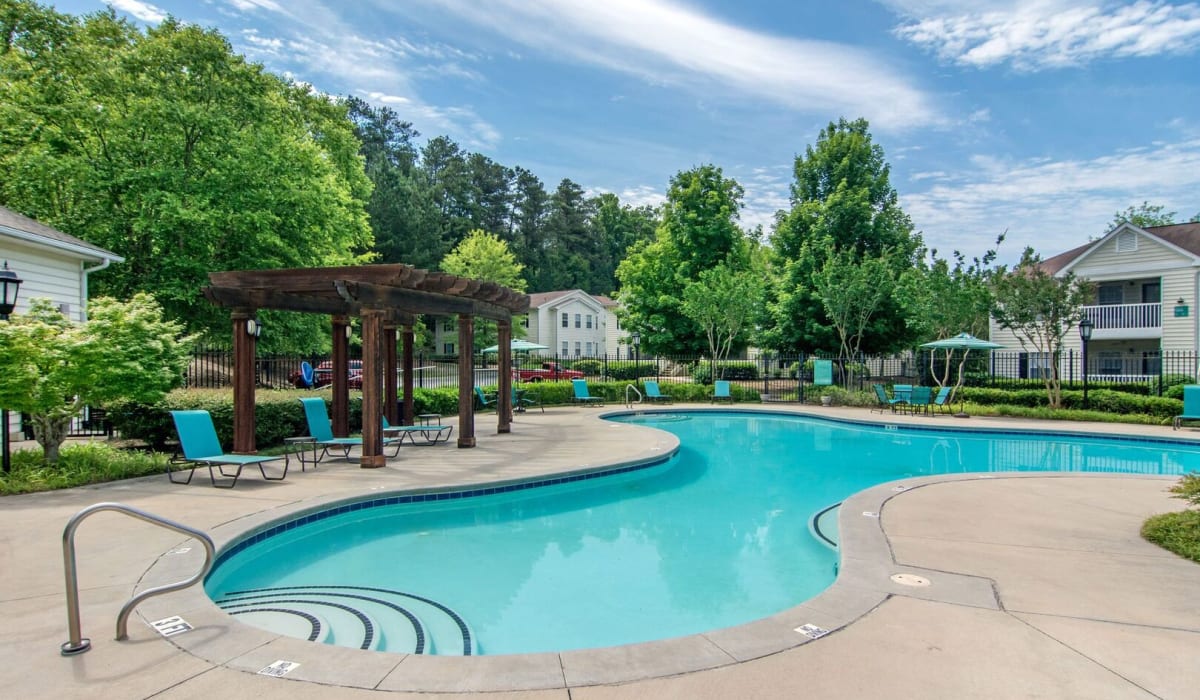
[1039, 117]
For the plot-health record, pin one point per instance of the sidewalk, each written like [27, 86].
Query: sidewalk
[1039, 586]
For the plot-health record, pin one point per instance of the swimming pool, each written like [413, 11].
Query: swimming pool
[717, 536]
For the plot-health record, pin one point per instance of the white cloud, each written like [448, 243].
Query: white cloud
[665, 43]
[1051, 205]
[141, 10]
[1039, 34]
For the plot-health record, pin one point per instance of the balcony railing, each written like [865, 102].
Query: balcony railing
[1125, 316]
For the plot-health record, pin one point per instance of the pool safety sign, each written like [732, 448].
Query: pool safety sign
[279, 669]
[170, 626]
[811, 631]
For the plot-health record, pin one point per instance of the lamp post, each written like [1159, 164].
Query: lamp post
[636, 339]
[1085, 334]
[10, 284]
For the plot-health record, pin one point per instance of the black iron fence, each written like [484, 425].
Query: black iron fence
[777, 377]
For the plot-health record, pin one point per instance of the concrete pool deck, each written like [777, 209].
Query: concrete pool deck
[1039, 585]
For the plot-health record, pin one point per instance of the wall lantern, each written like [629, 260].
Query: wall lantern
[10, 284]
[254, 327]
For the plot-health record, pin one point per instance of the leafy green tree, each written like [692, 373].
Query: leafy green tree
[698, 232]
[571, 245]
[167, 148]
[852, 291]
[50, 368]
[1143, 215]
[482, 255]
[618, 228]
[1039, 309]
[722, 302]
[945, 298]
[841, 193]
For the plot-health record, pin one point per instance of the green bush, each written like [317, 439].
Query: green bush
[78, 465]
[702, 372]
[1100, 400]
[590, 368]
[1175, 532]
[628, 370]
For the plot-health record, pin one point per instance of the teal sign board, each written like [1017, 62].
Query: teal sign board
[1181, 311]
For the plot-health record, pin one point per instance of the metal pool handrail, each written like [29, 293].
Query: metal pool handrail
[629, 387]
[77, 644]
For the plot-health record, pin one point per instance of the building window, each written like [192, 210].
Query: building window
[565, 350]
[1109, 294]
[448, 349]
[565, 325]
[1039, 365]
[578, 348]
[589, 320]
[578, 319]
[589, 348]
[525, 322]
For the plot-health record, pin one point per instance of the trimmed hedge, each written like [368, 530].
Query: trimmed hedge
[702, 372]
[1104, 400]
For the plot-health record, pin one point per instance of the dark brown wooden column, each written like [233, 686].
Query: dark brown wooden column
[340, 412]
[466, 381]
[390, 375]
[409, 407]
[504, 379]
[243, 383]
[372, 389]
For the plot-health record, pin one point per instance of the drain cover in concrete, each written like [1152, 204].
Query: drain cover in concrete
[910, 580]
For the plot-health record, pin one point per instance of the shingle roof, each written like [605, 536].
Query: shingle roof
[1185, 236]
[10, 219]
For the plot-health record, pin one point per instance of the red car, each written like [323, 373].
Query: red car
[323, 376]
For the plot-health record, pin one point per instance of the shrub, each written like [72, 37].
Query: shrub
[702, 372]
[591, 368]
[78, 465]
[628, 370]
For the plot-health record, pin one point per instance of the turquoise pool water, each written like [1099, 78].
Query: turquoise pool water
[718, 535]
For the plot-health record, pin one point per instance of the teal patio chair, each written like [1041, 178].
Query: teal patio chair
[653, 395]
[941, 401]
[883, 399]
[484, 401]
[201, 448]
[317, 417]
[1191, 406]
[919, 399]
[581, 394]
[721, 392]
[432, 434]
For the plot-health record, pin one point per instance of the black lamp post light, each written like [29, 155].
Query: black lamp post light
[10, 285]
[1085, 335]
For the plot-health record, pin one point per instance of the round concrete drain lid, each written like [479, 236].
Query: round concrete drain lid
[910, 580]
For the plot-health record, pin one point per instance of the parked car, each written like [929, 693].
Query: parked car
[323, 375]
[549, 371]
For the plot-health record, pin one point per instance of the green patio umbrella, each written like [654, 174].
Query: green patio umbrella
[965, 342]
[517, 345]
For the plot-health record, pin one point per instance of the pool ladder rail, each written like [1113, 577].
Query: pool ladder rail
[634, 389]
[77, 644]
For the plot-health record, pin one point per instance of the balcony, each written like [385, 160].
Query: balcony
[1113, 321]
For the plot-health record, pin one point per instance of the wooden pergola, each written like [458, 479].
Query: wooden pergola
[385, 298]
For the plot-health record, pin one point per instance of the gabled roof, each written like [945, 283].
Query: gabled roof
[541, 299]
[1184, 238]
[27, 229]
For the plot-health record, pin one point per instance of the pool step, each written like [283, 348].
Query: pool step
[355, 616]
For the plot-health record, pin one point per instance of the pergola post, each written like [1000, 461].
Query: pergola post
[390, 374]
[340, 412]
[466, 380]
[504, 370]
[408, 376]
[244, 344]
[372, 389]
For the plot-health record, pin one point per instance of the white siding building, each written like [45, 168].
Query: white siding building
[1147, 281]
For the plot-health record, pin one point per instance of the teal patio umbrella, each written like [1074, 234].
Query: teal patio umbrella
[965, 342]
[517, 345]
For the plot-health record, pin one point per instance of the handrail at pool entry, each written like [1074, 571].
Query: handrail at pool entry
[77, 644]
[628, 403]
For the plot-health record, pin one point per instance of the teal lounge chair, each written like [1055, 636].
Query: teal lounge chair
[1191, 406]
[582, 395]
[885, 402]
[201, 448]
[317, 417]
[920, 399]
[484, 401]
[941, 401]
[721, 392]
[653, 395]
[432, 434]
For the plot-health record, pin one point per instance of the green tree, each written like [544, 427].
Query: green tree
[1143, 215]
[852, 292]
[50, 368]
[722, 302]
[841, 193]
[1039, 309]
[571, 245]
[169, 149]
[482, 255]
[698, 232]
[618, 228]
